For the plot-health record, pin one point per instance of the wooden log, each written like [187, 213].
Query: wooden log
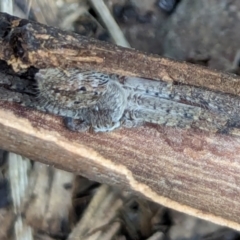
[191, 171]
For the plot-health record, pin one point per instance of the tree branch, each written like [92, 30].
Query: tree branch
[192, 171]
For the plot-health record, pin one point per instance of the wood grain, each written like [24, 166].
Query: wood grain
[194, 172]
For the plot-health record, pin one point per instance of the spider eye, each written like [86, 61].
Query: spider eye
[82, 89]
[76, 102]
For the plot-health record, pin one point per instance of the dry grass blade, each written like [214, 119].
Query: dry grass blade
[110, 23]
[18, 168]
[156, 236]
[6, 6]
[45, 11]
[100, 211]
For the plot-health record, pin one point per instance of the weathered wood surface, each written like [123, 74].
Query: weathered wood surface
[23, 48]
[192, 171]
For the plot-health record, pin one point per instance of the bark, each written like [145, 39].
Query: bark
[24, 43]
[192, 171]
